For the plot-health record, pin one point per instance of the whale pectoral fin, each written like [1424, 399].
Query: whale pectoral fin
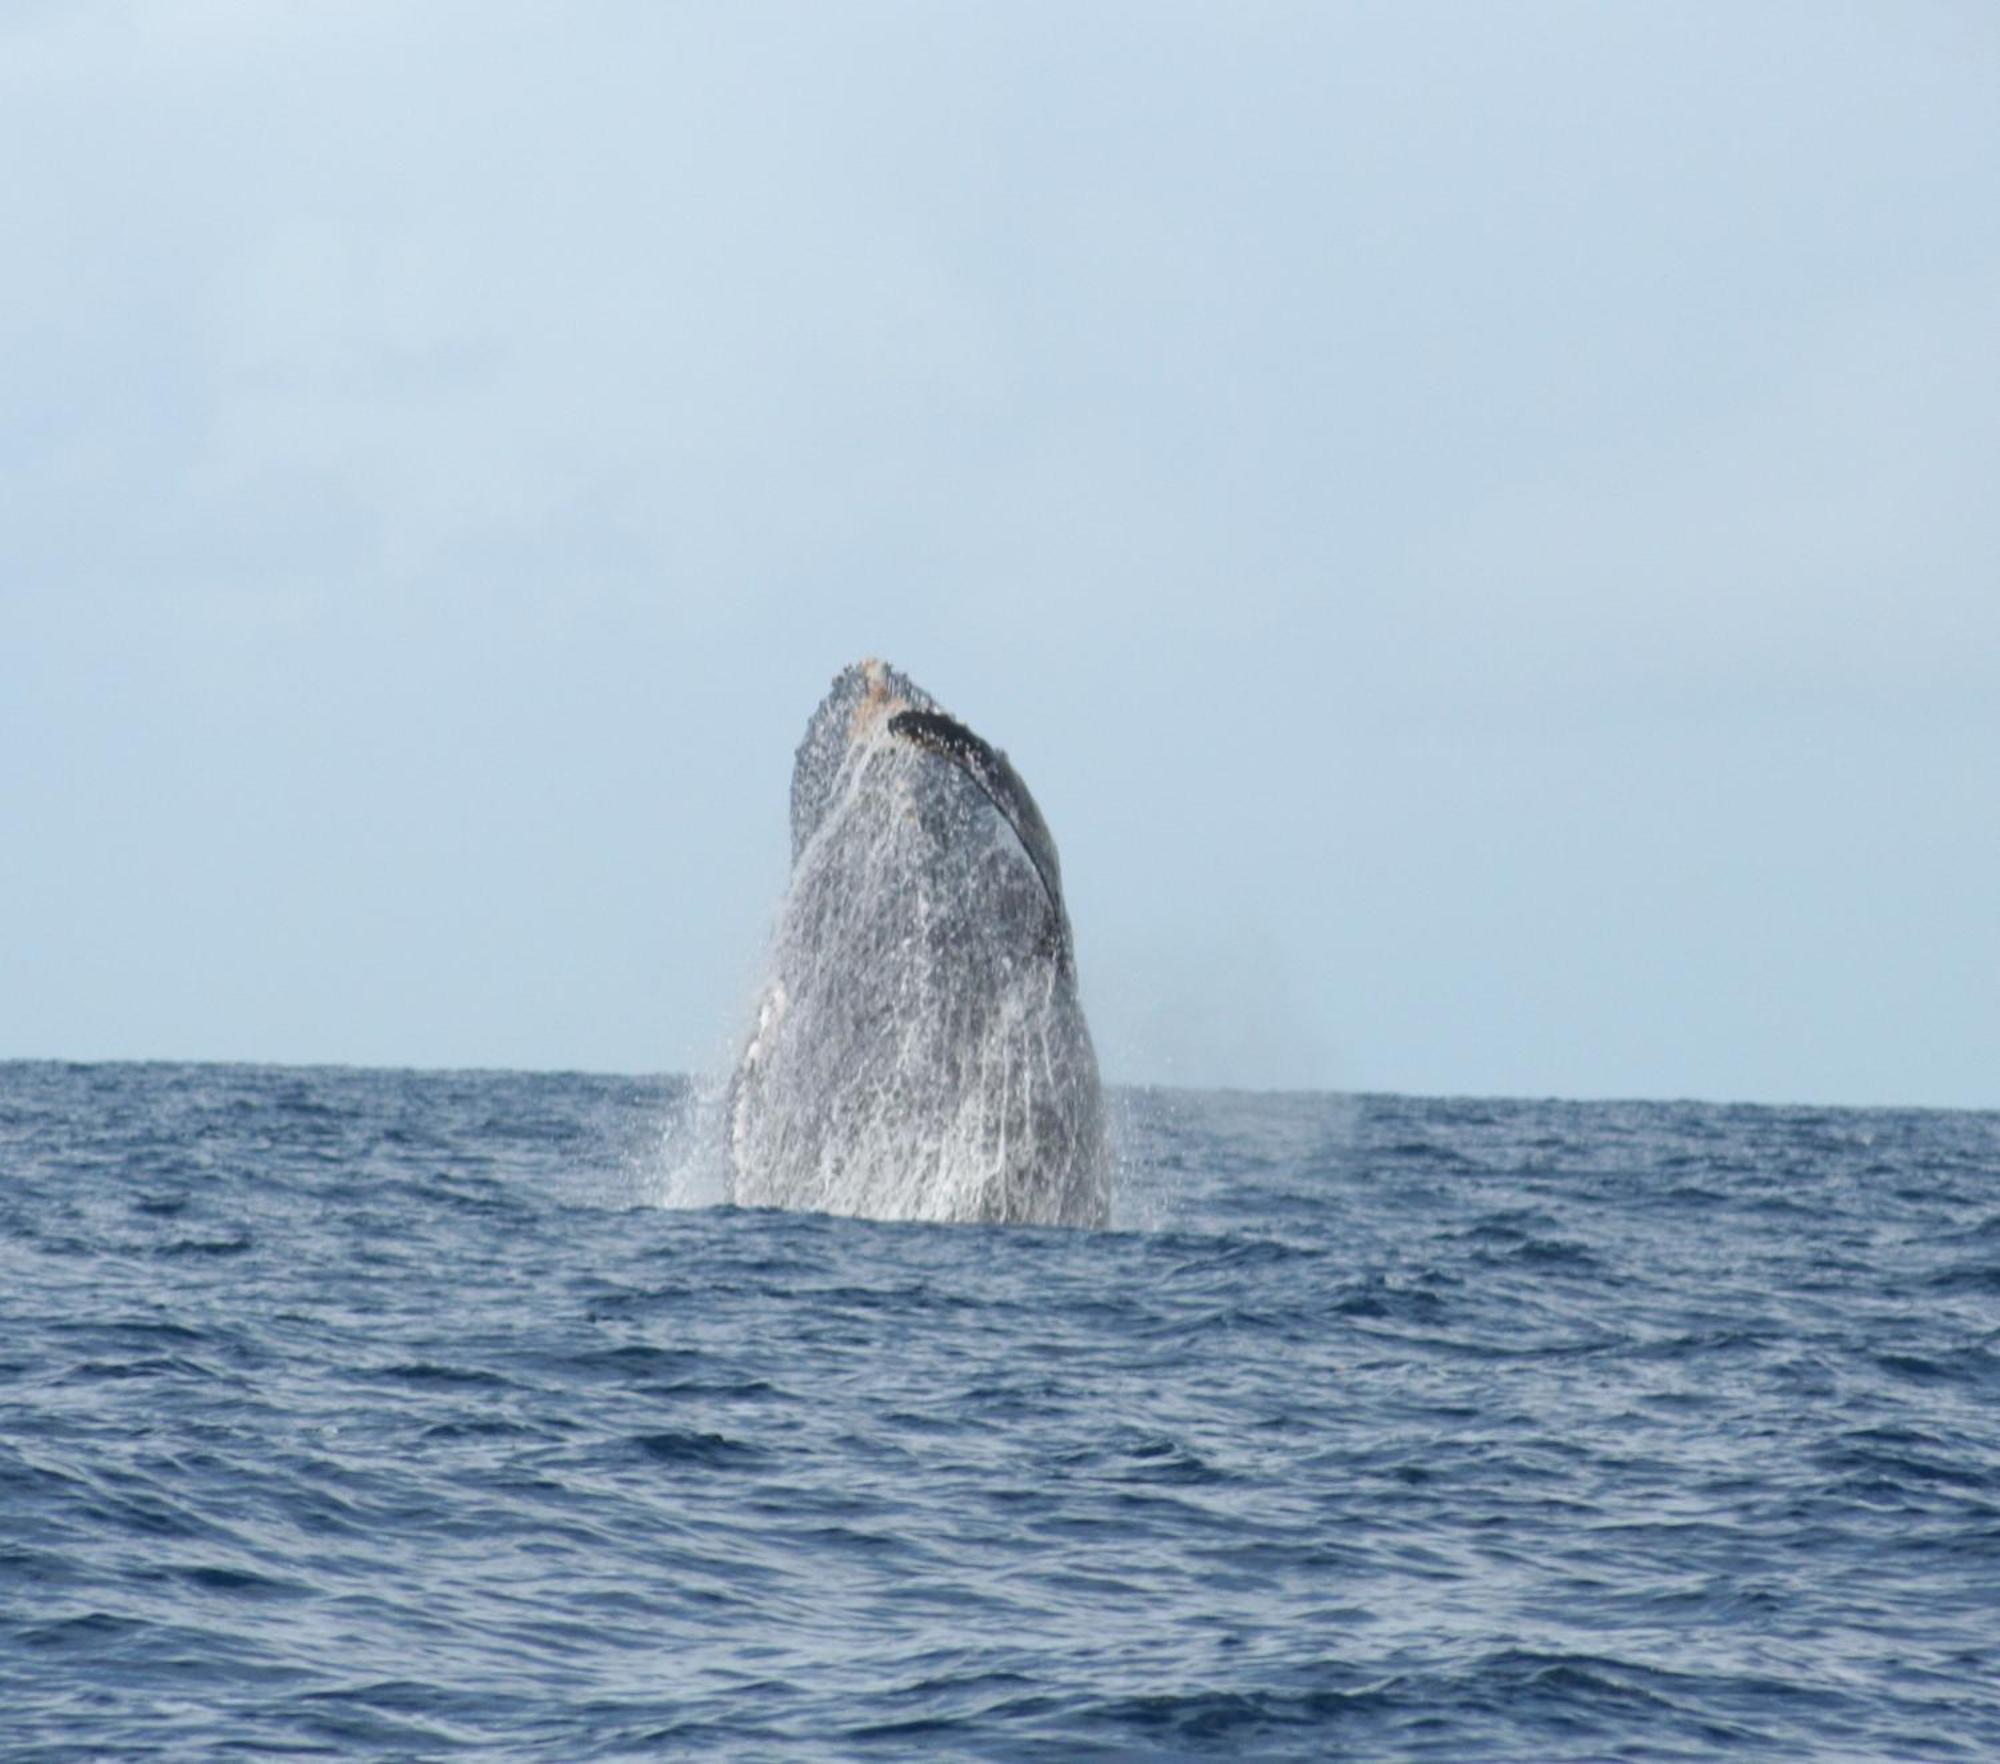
[770, 1013]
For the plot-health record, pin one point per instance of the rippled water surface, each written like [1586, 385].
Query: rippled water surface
[383, 1414]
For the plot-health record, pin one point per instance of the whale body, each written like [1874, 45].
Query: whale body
[920, 1051]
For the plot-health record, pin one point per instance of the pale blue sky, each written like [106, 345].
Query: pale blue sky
[1478, 523]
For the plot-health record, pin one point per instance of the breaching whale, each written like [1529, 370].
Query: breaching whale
[919, 1051]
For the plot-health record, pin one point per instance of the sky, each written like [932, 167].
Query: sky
[1477, 522]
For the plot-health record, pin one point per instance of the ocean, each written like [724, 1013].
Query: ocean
[388, 1414]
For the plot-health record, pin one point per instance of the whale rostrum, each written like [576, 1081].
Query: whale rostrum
[919, 1051]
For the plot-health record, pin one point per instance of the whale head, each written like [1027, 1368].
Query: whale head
[935, 767]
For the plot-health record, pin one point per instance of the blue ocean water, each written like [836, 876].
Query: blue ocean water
[385, 1415]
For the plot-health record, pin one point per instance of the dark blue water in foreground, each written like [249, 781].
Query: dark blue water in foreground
[368, 1414]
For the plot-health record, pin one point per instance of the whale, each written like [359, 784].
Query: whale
[919, 1048]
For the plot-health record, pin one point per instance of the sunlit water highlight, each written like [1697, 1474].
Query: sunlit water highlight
[385, 1414]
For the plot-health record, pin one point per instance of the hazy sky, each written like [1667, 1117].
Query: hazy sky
[1480, 524]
